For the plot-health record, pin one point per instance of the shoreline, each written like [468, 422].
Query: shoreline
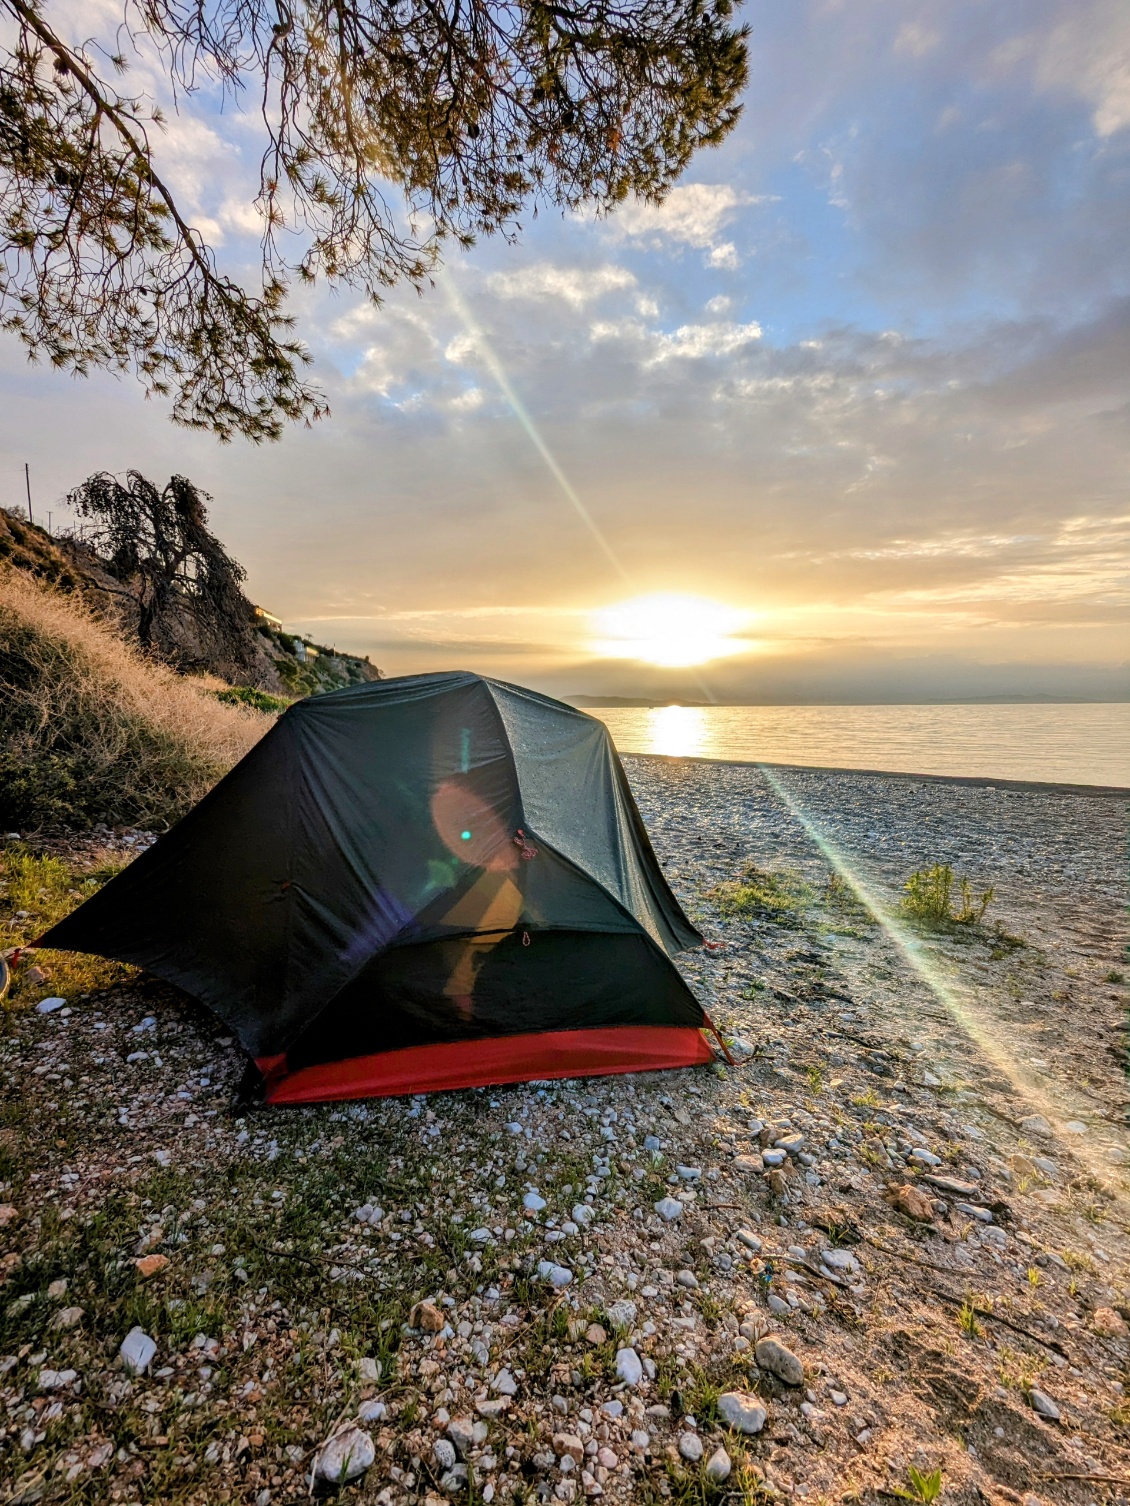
[972, 781]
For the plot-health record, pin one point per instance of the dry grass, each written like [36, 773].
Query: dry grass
[91, 730]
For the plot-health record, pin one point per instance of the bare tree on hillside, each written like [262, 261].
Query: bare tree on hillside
[461, 112]
[172, 568]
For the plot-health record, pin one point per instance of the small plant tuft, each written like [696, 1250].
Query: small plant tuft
[934, 896]
[765, 894]
[921, 1487]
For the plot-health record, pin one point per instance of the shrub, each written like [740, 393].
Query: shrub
[91, 730]
[930, 897]
[258, 700]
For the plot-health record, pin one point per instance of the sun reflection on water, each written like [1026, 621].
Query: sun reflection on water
[677, 731]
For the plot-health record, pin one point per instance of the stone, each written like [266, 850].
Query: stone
[150, 1265]
[748, 1238]
[718, 1466]
[55, 1380]
[480, 1236]
[777, 1305]
[688, 1173]
[652, 1143]
[57, 1288]
[669, 1209]
[372, 1411]
[613, 1409]
[1036, 1124]
[345, 1457]
[426, 1315]
[68, 1317]
[495, 1407]
[629, 1366]
[1046, 1167]
[1043, 1405]
[779, 1360]
[443, 1452]
[792, 1143]
[1107, 1323]
[840, 1260]
[533, 1203]
[505, 1384]
[8, 1214]
[595, 1334]
[690, 1447]
[369, 1369]
[137, 1351]
[583, 1214]
[913, 1203]
[687, 1279]
[621, 1313]
[641, 1440]
[741, 1411]
[956, 1188]
[557, 1275]
[49, 1006]
[750, 1166]
[774, 1157]
[1075, 1127]
[461, 1431]
[778, 1182]
[924, 1157]
[568, 1445]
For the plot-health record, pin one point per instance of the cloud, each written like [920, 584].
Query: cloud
[575, 286]
[1088, 54]
[693, 215]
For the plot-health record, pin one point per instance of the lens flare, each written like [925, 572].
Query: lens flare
[670, 630]
[958, 1001]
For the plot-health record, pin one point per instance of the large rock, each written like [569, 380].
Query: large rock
[779, 1360]
[1043, 1405]
[426, 1315]
[137, 1351]
[629, 1366]
[914, 1204]
[345, 1457]
[741, 1411]
[1105, 1321]
[718, 1466]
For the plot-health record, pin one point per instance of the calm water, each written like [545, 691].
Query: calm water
[1059, 744]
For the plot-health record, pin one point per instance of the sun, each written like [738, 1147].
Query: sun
[670, 630]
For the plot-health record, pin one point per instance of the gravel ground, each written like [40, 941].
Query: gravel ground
[560, 1291]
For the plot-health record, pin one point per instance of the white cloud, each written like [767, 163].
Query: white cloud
[1086, 55]
[690, 342]
[576, 286]
[694, 215]
[1090, 54]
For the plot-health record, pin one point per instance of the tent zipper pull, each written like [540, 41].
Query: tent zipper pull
[525, 938]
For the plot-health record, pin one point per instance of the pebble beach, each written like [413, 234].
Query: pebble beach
[888, 1239]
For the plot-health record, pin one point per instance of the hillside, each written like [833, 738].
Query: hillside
[284, 663]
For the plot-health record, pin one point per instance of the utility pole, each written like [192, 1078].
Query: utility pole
[27, 483]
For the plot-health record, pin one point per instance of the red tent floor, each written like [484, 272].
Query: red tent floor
[483, 1063]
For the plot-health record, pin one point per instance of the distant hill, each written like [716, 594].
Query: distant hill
[284, 663]
[582, 702]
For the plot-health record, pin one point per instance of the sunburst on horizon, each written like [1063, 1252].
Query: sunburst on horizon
[670, 630]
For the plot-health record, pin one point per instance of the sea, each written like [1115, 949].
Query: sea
[1046, 743]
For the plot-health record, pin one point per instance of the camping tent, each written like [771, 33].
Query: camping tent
[430, 882]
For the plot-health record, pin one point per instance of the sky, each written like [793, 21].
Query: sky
[859, 389]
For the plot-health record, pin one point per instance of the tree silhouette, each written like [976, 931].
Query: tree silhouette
[391, 127]
[175, 572]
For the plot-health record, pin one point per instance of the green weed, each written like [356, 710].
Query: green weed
[936, 897]
[920, 1487]
[763, 894]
